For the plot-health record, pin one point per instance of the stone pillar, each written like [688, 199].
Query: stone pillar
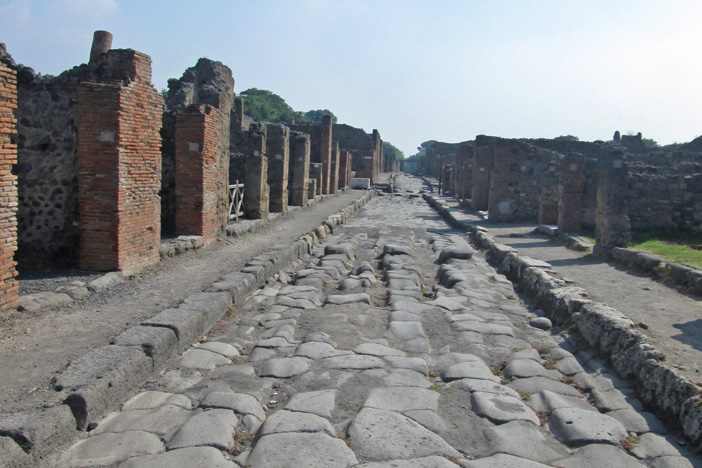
[464, 174]
[480, 189]
[255, 180]
[448, 179]
[548, 198]
[102, 42]
[316, 170]
[238, 115]
[504, 176]
[376, 167]
[570, 203]
[9, 287]
[299, 168]
[334, 188]
[277, 151]
[344, 168]
[325, 153]
[312, 189]
[119, 166]
[612, 225]
[197, 173]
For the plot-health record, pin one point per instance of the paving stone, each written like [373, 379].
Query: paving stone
[240, 403]
[225, 349]
[214, 428]
[261, 354]
[319, 337]
[293, 421]
[670, 462]
[406, 330]
[274, 342]
[541, 323]
[409, 306]
[524, 440]
[596, 455]
[41, 300]
[285, 367]
[109, 449]
[654, 446]
[638, 421]
[162, 421]
[484, 328]
[353, 362]
[340, 299]
[317, 283]
[375, 349]
[405, 378]
[523, 368]
[468, 370]
[424, 462]
[12, 455]
[349, 284]
[404, 362]
[550, 401]
[402, 399]
[180, 380]
[379, 435]
[296, 303]
[202, 359]
[296, 449]
[536, 384]
[319, 402]
[397, 249]
[318, 350]
[447, 304]
[501, 408]
[578, 427]
[449, 359]
[464, 317]
[416, 345]
[503, 461]
[151, 400]
[569, 366]
[481, 385]
[189, 457]
[529, 353]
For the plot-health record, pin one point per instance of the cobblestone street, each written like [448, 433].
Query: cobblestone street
[394, 344]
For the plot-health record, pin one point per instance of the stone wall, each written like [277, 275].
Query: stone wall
[278, 151]
[9, 287]
[299, 170]
[119, 165]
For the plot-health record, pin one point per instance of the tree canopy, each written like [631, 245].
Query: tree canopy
[391, 150]
[265, 106]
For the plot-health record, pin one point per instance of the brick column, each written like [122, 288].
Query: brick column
[311, 189]
[196, 150]
[255, 181]
[325, 153]
[504, 176]
[299, 168]
[448, 179]
[9, 287]
[334, 184]
[548, 198]
[613, 228]
[570, 203]
[316, 170]
[480, 190]
[119, 166]
[277, 151]
[464, 176]
[344, 169]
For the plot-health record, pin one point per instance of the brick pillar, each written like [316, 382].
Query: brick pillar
[119, 166]
[325, 150]
[613, 228]
[255, 181]
[448, 178]
[464, 176]
[570, 203]
[334, 184]
[548, 198]
[9, 287]
[344, 168]
[311, 189]
[196, 159]
[316, 174]
[504, 176]
[277, 151]
[299, 168]
[480, 189]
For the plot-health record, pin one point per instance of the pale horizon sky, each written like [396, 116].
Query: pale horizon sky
[415, 70]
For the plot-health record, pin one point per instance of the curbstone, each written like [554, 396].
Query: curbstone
[158, 343]
[99, 380]
[188, 325]
[105, 282]
[239, 285]
[212, 305]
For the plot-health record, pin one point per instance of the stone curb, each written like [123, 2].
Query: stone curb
[660, 269]
[101, 380]
[607, 330]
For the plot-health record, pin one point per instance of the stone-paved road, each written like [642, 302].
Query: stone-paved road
[388, 347]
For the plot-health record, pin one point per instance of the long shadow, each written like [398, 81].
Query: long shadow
[691, 333]
[528, 245]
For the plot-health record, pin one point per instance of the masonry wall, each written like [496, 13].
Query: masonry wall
[278, 152]
[119, 166]
[9, 288]
[299, 168]
[464, 168]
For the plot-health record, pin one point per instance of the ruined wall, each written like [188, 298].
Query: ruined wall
[119, 165]
[299, 168]
[278, 152]
[248, 164]
[9, 288]
[207, 83]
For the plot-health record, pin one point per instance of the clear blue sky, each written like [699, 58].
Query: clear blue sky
[415, 70]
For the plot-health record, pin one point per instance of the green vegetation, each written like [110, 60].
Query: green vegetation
[266, 106]
[679, 248]
[391, 150]
[567, 138]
